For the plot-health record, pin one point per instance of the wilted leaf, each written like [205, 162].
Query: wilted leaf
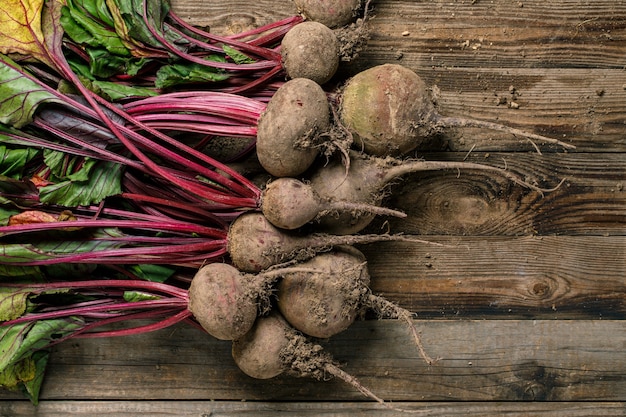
[12, 302]
[31, 216]
[32, 387]
[21, 32]
[14, 376]
[38, 216]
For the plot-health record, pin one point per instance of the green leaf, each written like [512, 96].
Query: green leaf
[74, 30]
[129, 19]
[97, 9]
[151, 272]
[6, 213]
[19, 95]
[134, 296]
[103, 64]
[20, 341]
[13, 160]
[12, 273]
[177, 74]
[49, 250]
[82, 70]
[237, 56]
[100, 35]
[96, 181]
[63, 166]
[21, 32]
[32, 387]
[115, 91]
[133, 66]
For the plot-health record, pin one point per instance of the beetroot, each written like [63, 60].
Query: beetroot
[332, 13]
[310, 50]
[289, 203]
[226, 302]
[273, 347]
[367, 179]
[324, 304]
[255, 244]
[289, 128]
[222, 301]
[389, 111]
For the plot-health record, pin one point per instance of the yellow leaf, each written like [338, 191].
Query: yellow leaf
[21, 32]
[15, 375]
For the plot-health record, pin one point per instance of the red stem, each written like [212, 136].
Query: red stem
[85, 310]
[163, 225]
[107, 283]
[214, 64]
[167, 322]
[94, 102]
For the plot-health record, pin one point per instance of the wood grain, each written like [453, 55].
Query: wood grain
[306, 409]
[591, 200]
[229, 17]
[545, 277]
[482, 360]
[514, 34]
[581, 107]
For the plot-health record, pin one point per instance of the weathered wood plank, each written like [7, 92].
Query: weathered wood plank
[583, 107]
[234, 16]
[304, 409]
[482, 360]
[501, 33]
[528, 277]
[591, 201]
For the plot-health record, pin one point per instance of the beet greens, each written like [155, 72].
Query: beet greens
[74, 126]
[37, 316]
[109, 206]
[148, 44]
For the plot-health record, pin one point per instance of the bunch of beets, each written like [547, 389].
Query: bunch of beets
[153, 172]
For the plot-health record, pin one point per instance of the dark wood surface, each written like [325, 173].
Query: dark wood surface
[522, 295]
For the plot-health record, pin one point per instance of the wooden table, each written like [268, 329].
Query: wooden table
[525, 302]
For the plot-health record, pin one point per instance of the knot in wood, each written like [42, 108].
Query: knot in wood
[542, 289]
